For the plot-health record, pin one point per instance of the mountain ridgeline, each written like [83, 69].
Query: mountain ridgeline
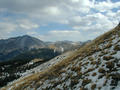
[17, 45]
[12, 47]
[20, 43]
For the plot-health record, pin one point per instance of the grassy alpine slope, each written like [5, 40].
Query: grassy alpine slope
[95, 66]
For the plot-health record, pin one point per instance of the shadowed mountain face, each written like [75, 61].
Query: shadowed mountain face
[23, 42]
[14, 46]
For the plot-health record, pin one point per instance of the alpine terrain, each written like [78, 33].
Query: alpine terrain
[95, 66]
[19, 55]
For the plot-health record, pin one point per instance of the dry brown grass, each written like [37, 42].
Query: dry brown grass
[91, 58]
[107, 58]
[86, 63]
[86, 81]
[108, 45]
[74, 68]
[84, 51]
[117, 48]
[74, 82]
[94, 74]
[101, 70]
[110, 65]
[79, 74]
[93, 86]
[113, 53]
[89, 70]
[62, 71]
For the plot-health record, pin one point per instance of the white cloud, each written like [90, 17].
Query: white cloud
[31, 33]
[6, 28]
[66, 33]
[63, 22]
[110, 14]
[52, 10]
[79, 15]
[106, 5]
[58, 35]
[77, 19]
[26, 24]
[117, 16]
[75, 1]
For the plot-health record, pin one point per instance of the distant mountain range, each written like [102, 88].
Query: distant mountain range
[12, 47]
[64, 46]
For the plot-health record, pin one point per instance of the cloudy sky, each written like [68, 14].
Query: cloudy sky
[51, 20]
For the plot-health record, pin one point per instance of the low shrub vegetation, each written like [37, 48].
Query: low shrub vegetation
[108, 58]
[93, 86]
[101, 70]
[117, 48]
[86, 81]
[110, 65]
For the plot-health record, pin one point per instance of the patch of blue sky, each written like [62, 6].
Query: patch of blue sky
[12, 15]
[115, 9]
[55, 26]
[114, 0]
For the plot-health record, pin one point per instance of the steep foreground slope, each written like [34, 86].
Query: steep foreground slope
[95, 66]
